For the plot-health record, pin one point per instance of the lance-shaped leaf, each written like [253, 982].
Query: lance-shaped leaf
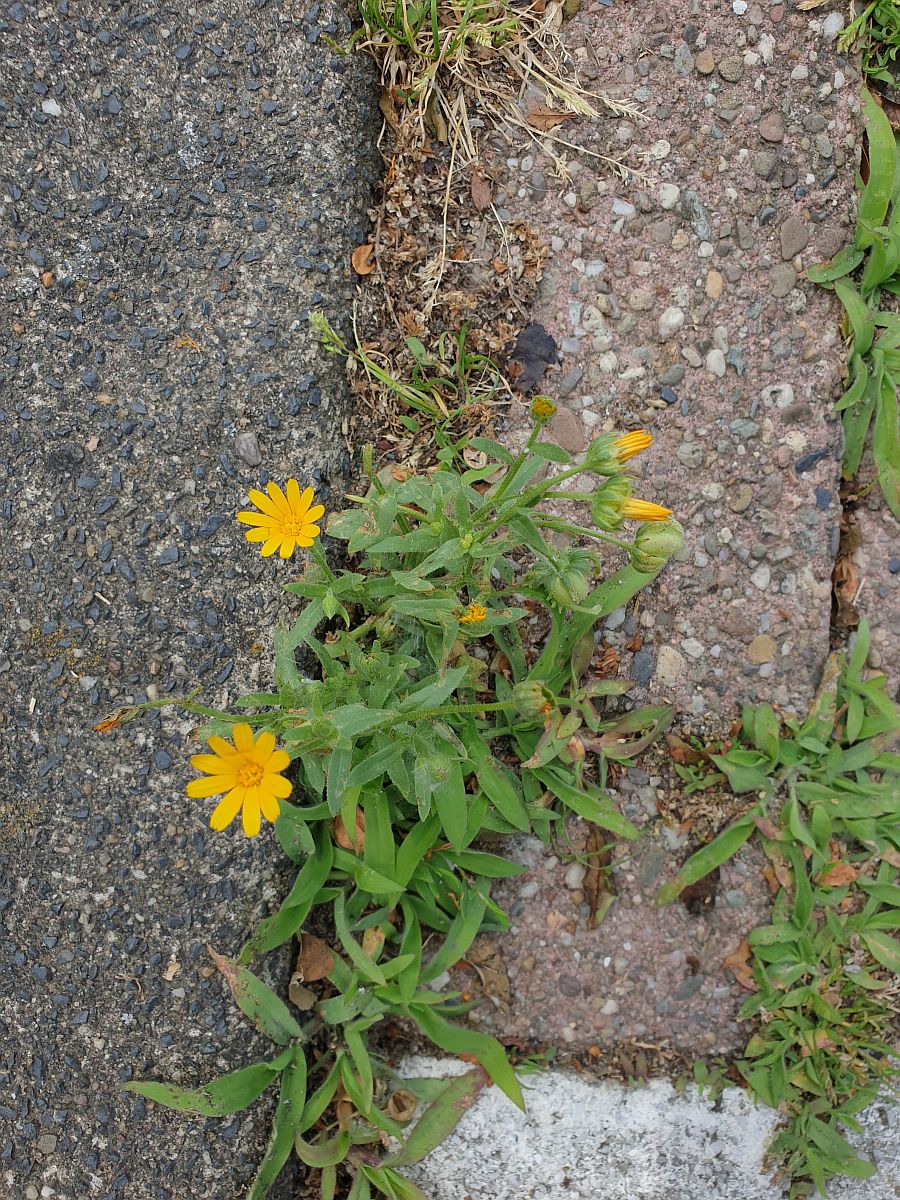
[440, 1118]
[227, 1094]
[482, 1046]
[724, 846]
[284, 1125]
[266, 1011]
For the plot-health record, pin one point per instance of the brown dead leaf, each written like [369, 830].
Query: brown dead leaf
[172, 969]
[363, 259]
[499, 266]
[482, 195]
[540, 117]
[597, 884]
[780, 868]
[768, 874]
[386, 105]
[681, 752]
[483, 958]
[837, 874]
[373, 940]
[458, 253]
[767, 828]
[342, 837]
[315, 959]
[738, 962]
[300, 995]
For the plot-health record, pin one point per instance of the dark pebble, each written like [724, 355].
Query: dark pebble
[669, 395]
[808, 461]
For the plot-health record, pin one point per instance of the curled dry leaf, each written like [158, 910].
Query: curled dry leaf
[363, 259]
[315, 959]
[342, 837]
[401, 1105]
[172, 969]
[738, 962]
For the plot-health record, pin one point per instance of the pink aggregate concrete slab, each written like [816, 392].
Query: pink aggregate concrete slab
[646, 973]
[678, 301]
[877, 558]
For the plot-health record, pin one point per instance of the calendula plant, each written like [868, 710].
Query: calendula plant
[412, 716]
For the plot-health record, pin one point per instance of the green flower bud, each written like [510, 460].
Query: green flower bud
[654, 544]
[531, 697]
[568, 588]
[606, 506]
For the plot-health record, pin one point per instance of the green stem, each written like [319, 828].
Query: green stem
[316, 553]
[514, 467]
[582, 531]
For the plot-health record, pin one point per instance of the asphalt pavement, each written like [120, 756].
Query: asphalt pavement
[179, 186]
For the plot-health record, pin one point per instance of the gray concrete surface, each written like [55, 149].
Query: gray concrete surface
[168, 172]
[587, 1140]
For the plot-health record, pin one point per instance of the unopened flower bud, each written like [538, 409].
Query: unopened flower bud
[654, 544]
[542, 409]
[531, 697]
[569, 588]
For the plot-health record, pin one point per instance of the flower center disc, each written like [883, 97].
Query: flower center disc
[250, 774]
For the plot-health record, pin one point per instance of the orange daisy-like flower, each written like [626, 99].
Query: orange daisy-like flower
[286, 519]
[473, 615]
[248, 773]
[644, 510]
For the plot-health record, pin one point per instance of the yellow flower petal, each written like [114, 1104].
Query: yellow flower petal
[315, 512]
[308, 536]
[269, 805]
[227, 809]
[219, 746]
[250, 812]
[262, 502]
[279, 499]
[305, 501]
[209, 785]
[270, 547]
[212, 764]
[242, 736]
[255, 518]
[277, 785]
[292, 487]
[261, 535]
[644, 510]
[287, 547]
[265, 744]
[278, 760]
